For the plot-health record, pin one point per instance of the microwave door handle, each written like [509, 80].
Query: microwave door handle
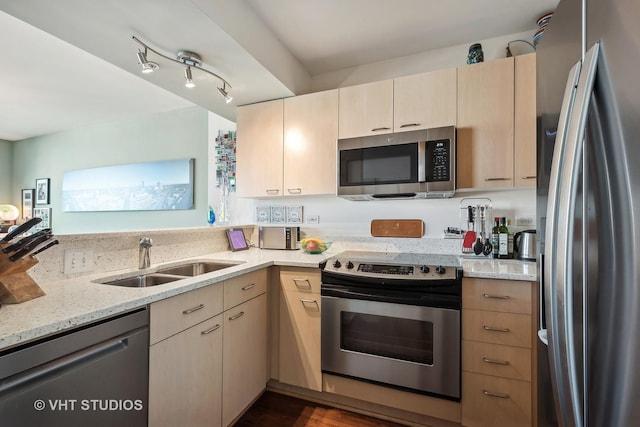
[422, 161]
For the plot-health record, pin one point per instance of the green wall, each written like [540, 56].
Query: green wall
[173, 135]
[6, 193]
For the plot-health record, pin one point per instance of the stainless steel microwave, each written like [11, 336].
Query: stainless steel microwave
[416, 164]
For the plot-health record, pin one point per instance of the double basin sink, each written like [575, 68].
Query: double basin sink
[169, 274]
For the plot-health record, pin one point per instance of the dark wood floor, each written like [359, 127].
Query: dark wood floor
[277, 410]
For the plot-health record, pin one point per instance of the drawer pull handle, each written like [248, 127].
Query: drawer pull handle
[529, 177]
[497, 179]
[494, 329]
[492, 394]
[294, 190]
[379, 129]
[237, 316]
[297, 281]
[208, 331]
[272, 191]
[496, 362]
[251, 286]
[496, 296]
[407, 125]
[305, 301]
[191, 310]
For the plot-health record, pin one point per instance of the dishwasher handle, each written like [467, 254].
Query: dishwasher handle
[66, 363]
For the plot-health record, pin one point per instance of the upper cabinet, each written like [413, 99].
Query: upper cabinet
[288, 147]
[485, 124]
[310, 143]
[425, 101]
[366, 109]
[259, 149]
[525, 120]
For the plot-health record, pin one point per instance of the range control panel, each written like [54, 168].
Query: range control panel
[438, 160]
[403, 271]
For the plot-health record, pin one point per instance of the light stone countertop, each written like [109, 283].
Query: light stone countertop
[76, 302]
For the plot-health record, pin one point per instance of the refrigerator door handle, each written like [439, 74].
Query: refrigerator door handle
[562, 352]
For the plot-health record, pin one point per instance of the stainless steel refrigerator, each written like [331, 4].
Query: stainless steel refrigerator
[588, 209]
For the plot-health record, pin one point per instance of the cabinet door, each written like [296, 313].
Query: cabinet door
[245, 356]
[525, 120]
[300, 339]
[366, 109]
[259, 149]
[185, 377]
[310, 135]
[485, 124]
[425, 100]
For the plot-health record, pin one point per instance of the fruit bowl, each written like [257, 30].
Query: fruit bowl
[314, 245]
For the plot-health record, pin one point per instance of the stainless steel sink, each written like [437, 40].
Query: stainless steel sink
[195, 268]
[143, 281]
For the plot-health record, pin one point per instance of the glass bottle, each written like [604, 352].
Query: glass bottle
[475, 54]
[503, 239]
[494, 237]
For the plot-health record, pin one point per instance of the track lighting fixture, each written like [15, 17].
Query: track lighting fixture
[224, 93]
[190, 59]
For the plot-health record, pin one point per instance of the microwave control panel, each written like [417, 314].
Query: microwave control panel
[438, 160]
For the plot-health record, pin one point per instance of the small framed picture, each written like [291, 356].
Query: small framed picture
[42, 191]
[45, 214]
[237, 241]
[28, 195]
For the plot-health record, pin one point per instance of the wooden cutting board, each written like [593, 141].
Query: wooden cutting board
[397, 228]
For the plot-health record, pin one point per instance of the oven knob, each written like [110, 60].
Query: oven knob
[349, 265]
[440, 269]
[337, 264]
[425, 269]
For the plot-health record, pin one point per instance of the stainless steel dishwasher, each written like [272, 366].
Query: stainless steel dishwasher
[95, 375]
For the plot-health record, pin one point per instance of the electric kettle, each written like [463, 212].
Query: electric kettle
[524, 245]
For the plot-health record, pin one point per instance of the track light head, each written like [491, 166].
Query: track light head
[189, 80]
[224, 93]
[147, 66]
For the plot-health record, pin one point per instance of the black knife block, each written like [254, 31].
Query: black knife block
[16, 285]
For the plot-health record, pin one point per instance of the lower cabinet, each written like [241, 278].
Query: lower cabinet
[497, 359]
[300, 307]
[185, 377]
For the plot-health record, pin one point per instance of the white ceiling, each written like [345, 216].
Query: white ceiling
[71, 63]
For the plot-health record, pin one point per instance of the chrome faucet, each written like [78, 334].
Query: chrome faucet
[144, 260]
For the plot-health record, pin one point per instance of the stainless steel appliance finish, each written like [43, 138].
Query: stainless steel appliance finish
[525, 245]
[393, 320]
[93, 376]
[416, 164]
[587, 200]
[278, 237]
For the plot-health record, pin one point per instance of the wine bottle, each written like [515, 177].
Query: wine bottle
[503, 239]
[495, 231]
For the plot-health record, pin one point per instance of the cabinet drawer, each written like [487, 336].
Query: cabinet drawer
[507, 296]
[492, 401]
[175, 314]
[243, 288]
[497, 360]
[300, 279]
[497, 328]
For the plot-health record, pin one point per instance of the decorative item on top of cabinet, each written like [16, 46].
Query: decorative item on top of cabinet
[366, 109]
[425, 101]
[525, 121]
[300, 308]
[498, 364]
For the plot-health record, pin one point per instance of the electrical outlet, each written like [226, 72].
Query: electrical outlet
[525, 221]
[313, 219]
[78, 261]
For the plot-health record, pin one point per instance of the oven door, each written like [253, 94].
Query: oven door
[405, 346]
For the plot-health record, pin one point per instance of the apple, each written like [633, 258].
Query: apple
[312, 246]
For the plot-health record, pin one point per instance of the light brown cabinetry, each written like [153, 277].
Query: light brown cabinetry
[424, 101]
[244, 344]
[498, 329]
[485, 124]
[288, 147]
[366, 109]
[185, 359]
[259, 149]
[525, 120]
[299, 348]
